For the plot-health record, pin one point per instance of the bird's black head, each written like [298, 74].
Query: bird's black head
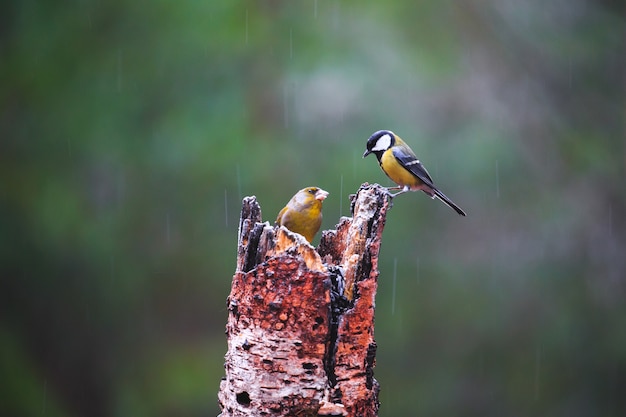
[379, 142]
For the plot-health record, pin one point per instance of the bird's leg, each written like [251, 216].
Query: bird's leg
[388, 189]
[402, 191]
[392, 195]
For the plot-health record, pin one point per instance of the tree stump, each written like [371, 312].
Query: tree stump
[301, 321]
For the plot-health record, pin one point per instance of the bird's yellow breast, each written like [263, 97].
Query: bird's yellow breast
[397, 172]
[304, 220]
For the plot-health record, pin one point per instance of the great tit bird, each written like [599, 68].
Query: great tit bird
[400, 164]
[303, 213]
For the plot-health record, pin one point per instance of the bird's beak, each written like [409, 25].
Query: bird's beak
[367, 152]
[321, 195]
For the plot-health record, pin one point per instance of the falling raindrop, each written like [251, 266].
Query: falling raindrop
[610, 221]
[45, 393]
[69, 146]
[537, 370]
[417, 269]
[120, 188]
[341, 195]
[226, 207]
[119, 71]
[112, 268]
[167, 228]
[246, 26]
[286, 105]
[87, 310]
[315, 9]
[569, 74]
[290, 43]
[336, 16]
[497, 180]
[393, 287]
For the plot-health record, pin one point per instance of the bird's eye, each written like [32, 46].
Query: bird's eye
[312, 191]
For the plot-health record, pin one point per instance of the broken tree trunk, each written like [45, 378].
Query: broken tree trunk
[301, 322]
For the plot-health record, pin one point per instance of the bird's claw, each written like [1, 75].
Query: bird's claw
[392, 195]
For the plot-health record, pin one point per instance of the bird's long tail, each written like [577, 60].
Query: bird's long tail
[441, 196]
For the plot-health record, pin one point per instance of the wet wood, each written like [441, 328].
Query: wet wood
[300, 327]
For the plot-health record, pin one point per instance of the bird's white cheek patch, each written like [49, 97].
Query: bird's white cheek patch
[383, 143]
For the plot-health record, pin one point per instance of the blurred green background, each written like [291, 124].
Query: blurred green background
[132, 130]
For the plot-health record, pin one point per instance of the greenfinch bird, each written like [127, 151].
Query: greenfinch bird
[399, 162]
[303, 213]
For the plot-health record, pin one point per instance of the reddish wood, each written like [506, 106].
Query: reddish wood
[301, 322]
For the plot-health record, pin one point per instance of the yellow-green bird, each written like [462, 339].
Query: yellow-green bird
[303, 213]
[399, 162]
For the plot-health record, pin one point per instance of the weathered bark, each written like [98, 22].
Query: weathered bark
[301, 322]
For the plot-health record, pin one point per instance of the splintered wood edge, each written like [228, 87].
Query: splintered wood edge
[369, 207]
[289, 242]
[250, 216]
